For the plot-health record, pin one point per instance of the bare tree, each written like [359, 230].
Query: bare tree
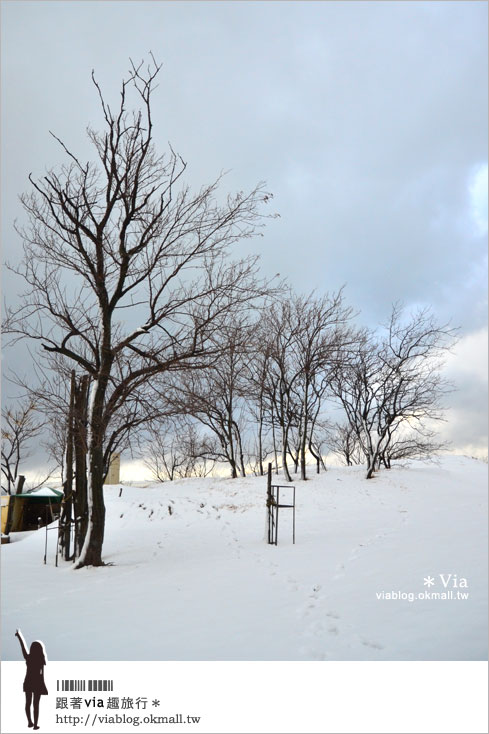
[126, 270]
[175, 450]
[54, 441]
[302, 339]
[420, 443]
[342, 440]
[20, 426]
[215, 397]
[53, 396]
[277, 338]
[395, 383]
[321, 335]
[258, 387]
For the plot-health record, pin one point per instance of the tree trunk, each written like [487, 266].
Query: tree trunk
[294, 455]
[284, 454]
[274, 439]
[316, 456]
[234, 468]
[91, 553]
[303, 443]
[370, 471]
[372, 462]
[80, 497]
[241, 455]
[260, 437]
[230, 439]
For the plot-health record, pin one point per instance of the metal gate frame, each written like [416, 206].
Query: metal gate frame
[273, 506]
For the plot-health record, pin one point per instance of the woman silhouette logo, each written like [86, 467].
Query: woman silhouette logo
[34, 686]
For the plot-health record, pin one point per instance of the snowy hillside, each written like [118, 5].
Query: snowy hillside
[193, 579]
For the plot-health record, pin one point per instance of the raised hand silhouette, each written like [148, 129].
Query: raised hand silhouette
[34, 686]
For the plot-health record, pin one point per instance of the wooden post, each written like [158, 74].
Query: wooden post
[66, 512]
[46, 545]
[276, 515]
[293, 518]
[269, 503]
[10, 509]
[80, 433]
[19, 484]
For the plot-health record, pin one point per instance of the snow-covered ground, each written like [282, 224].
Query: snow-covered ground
[198, 582]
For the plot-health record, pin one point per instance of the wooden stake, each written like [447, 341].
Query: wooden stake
[65, 524]
[269, 503]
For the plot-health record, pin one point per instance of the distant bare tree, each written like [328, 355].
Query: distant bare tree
[215, 397]
[258, 387]
[54, 442]
[174, 450]
[20, 426]
[317, 432]
[126, 271]
[342, 440]
[321, 335]
[417, 443]
[395, 383]
[278, 329]
[302, 339]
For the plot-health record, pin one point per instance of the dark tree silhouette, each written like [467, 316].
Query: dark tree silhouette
[127, 272]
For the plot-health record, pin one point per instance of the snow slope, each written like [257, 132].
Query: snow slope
[200, 583]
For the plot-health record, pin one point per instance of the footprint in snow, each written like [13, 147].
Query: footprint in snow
[319, 655]
[313, 598]
[374, 645]
[313, 654]
[340, 572]
[293, 585]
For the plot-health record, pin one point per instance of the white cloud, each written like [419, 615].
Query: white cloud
[478, 199]
[469, 357]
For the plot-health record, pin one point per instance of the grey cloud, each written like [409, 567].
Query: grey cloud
[366, 120]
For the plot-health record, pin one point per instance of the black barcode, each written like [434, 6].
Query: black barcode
[85, 685]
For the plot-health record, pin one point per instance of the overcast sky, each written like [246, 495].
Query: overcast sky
[367, 120]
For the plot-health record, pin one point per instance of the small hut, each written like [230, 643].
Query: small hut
[30, 510]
